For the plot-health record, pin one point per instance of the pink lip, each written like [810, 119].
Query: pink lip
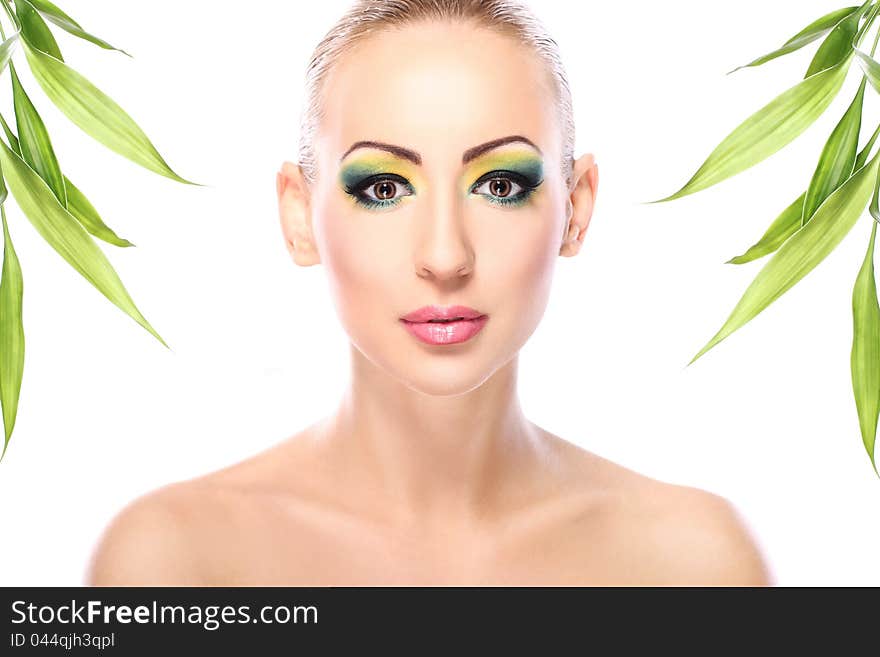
[450, 332]
[425, 313]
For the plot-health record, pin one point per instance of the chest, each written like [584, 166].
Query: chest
[270, 546]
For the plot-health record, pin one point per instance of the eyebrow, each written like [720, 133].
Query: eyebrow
[415, 158]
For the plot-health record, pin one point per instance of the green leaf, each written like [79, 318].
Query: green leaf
[870, 67]
[77, 203]
[80, 207]
[36, 147]
[784, 226]
[862, 157]
[61, 230]
[65, 22]
[875, 202]
[35, 29]
[838, 156]
[865, 354]
[11, 334]
[6, 50]
[789, 222]
[13, 140]
[803, 251]
[838, 45]
[768, 130]
[95, 113]
[806, 36]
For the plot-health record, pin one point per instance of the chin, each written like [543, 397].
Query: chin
[442, 374]
[441, 370]
[446, 376]
[452, 386]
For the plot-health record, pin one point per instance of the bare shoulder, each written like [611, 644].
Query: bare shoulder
[671, 534]
[149, 542]
[699, 538]
[176, 534]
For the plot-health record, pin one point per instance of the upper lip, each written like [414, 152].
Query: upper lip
[426, 313]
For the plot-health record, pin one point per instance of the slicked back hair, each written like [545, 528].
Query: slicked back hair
[368, 17]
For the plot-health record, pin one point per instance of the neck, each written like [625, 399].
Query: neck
[432, 457]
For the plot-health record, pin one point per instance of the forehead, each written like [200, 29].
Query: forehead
[438, 88]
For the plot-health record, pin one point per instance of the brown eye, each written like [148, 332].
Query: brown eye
[384, 190]
[499, 187]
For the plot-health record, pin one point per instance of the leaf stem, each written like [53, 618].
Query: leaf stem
[876, 39]
[12, 17]
[872, 14]
[869, 20]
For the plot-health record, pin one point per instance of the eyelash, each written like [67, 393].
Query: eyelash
[371, 203]
[527, 188]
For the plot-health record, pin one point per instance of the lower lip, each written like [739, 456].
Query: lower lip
[446, 332]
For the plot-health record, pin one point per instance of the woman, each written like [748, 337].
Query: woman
[436, 184]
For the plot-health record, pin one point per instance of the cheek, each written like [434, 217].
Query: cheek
[359, 255]
[535, 256]
[519, 259]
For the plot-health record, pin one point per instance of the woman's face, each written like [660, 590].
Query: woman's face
[439, 219]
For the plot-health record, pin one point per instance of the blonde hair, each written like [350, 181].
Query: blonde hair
[368, 17]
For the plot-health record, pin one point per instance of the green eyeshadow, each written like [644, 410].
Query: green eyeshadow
[521, 167]
[525, 163]
[351, 175]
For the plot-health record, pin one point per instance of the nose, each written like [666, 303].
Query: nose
[444, 251]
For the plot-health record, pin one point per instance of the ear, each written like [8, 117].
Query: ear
[584, 184]
[295, 212]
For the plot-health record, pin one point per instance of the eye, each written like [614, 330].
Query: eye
[504, 187]
[501, 187]
[382, 190]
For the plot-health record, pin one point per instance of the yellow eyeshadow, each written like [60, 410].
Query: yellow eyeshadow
[367, 165]
[510, 160]
[515, 159]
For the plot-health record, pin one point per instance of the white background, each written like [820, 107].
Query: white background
[766, 418]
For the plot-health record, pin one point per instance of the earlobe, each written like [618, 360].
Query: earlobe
[294, 209]
[582, 198]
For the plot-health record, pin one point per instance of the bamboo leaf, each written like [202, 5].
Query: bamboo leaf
[838, 45]
[35, 29]
[768, 130]
[60, 229]
[13, 140]
[810, 33]
[95, 113]
[789, 222]
[80, 207]
[6, 50]
[36, 147]
[870, 66]
[862, 157]
[865, 354]
[65, 22]
[838, 156]
[11, 333]
[803, 251]
[77, 203]
[875, 202]
[783, 227]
